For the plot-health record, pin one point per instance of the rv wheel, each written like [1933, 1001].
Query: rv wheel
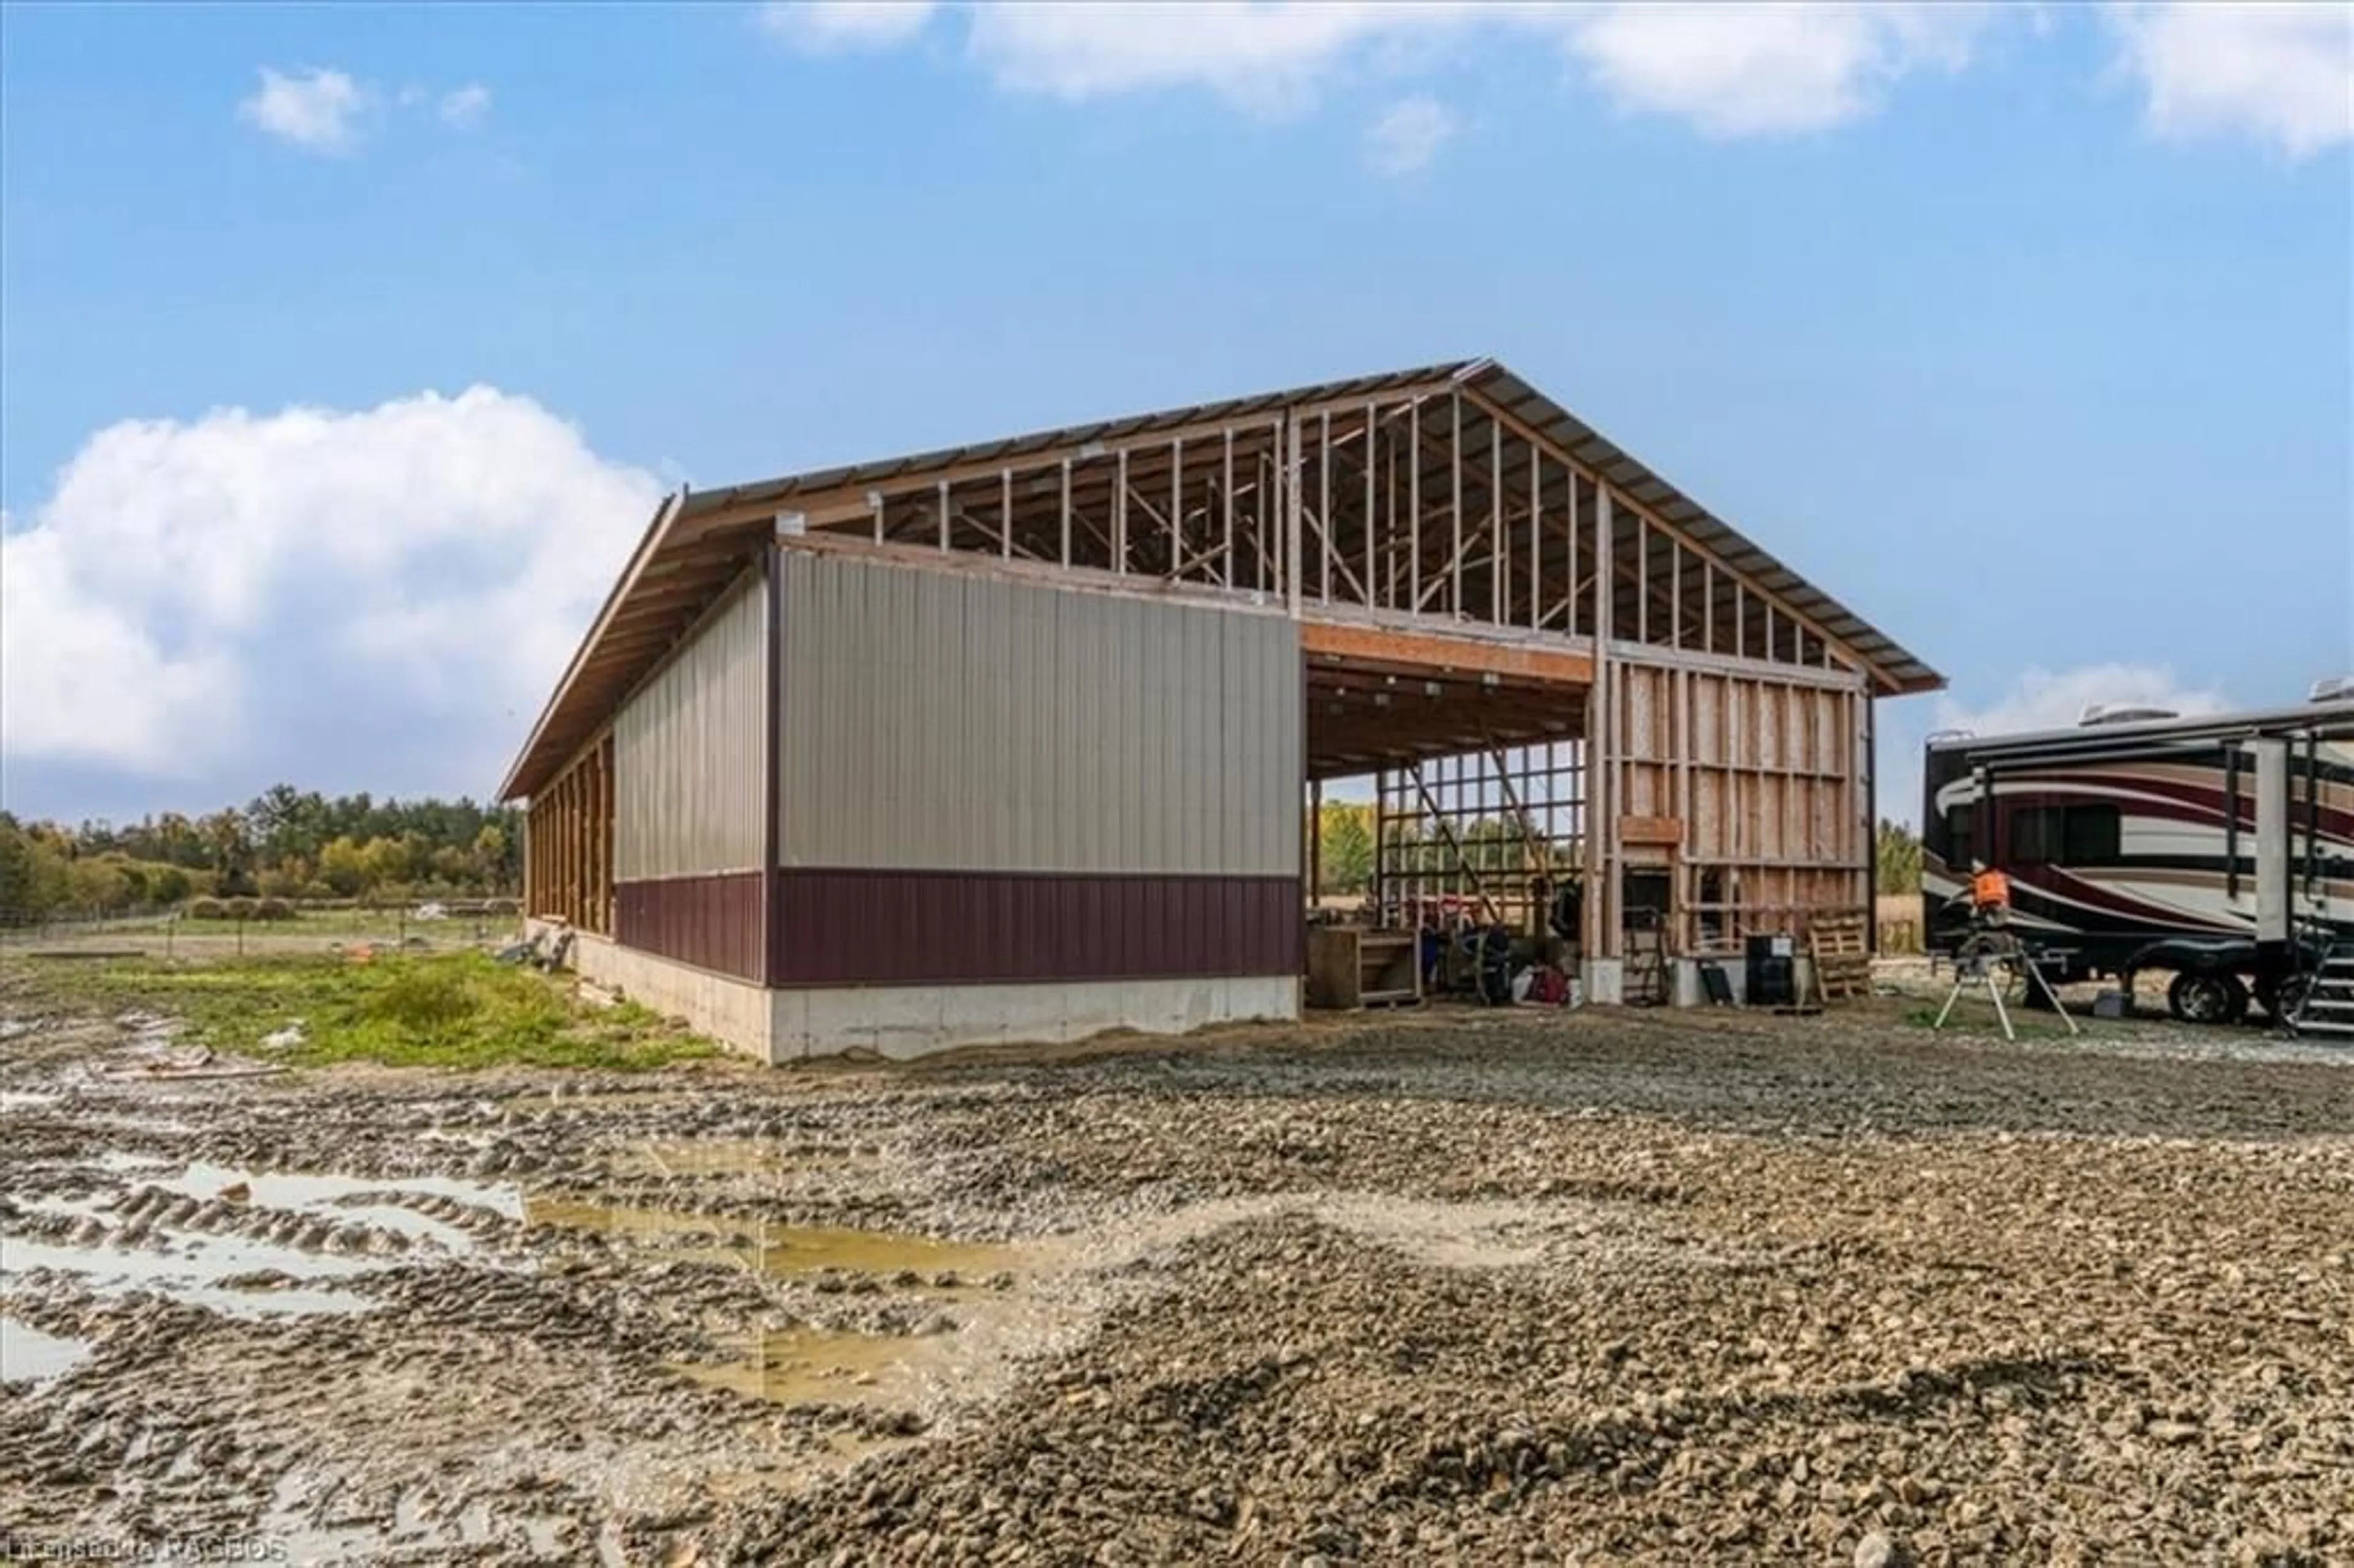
[2207, 999]
[2283, 1001]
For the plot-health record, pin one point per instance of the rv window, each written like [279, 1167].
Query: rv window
[2034, 836]
[2090, 835]
[1961, 832]
[2063, 835]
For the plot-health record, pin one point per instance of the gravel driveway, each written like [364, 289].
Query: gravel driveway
[1434, 1286]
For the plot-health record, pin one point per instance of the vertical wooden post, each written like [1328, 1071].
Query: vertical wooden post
[1176, 503]
[1675, 594]
[1500, 554]
[1570, 624]
[1413, 504]
[1642, 580]
[1536, 537]
[1327, 531]
[1373, 592]
[1315, 841]
[1601, 773]
[1294, 559]
[1005, 512]
[1066, 512]
[1120, 513]
[1226, 494]
[1455, 477]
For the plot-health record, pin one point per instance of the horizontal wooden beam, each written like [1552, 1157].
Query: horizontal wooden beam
[1390, 648]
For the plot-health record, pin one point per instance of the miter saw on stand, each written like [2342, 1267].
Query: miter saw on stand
[1992, 955]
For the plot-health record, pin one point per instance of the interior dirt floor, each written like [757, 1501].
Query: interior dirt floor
[1427, 1286]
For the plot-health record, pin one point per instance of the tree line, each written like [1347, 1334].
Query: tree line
[285, 843]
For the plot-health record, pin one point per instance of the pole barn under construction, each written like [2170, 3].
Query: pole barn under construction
[1013, 742]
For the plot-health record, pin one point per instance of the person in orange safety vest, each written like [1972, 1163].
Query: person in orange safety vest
[1989, 893]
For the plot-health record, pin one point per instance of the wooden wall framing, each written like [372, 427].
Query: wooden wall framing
[568, 843]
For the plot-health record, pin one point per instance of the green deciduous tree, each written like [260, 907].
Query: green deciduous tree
[1899, 858]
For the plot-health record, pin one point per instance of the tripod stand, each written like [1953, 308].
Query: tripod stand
[1990, 951]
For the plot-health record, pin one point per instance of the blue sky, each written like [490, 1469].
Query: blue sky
[2026, 332]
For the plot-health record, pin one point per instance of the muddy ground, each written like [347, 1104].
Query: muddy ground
[1444, 1288]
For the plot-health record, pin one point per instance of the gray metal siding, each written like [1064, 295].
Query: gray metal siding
[949, 721]
[689, 797]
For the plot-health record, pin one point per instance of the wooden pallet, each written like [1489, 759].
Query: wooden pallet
[1843, 954]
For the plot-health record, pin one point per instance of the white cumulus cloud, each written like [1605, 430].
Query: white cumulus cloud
[316, 110]
[2044, 699]
[2036, 700]
[1762, 69]
[465, 107]
[2278, 73]
[1767, 67]
[384, 595]
[827, 26]
[1407, 135]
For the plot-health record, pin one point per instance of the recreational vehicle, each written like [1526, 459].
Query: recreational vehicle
[2219, 847]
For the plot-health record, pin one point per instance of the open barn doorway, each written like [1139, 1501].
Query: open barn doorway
[1462, 763]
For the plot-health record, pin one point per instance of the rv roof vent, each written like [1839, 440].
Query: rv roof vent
[2331, 689]
[2123, 713]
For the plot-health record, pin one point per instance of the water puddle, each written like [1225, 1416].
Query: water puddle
[825, 1366]
[540, 1102]
[349, 1197]
[669, 1157]
[321, 1243]
[227, 1274]
[783, 1249]
[28, 1355]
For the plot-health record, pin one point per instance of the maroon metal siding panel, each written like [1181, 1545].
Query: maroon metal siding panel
[712, 922]
[910, 927]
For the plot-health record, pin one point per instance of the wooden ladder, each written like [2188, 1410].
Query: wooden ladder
[1647, 983]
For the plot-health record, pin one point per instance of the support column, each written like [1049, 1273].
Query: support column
[1315, 841]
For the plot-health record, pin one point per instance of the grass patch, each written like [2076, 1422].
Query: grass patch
[455, 1010]
[1973, 1015]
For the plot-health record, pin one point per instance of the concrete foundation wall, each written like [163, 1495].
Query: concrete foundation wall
[900, 1022]
[735, 1013]
[905, 1022]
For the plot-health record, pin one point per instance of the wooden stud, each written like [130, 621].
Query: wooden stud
[1675, 593]
[1176, 503]
[1295, 529]
[1226, 495]
[1324, 526]
[1455, 474]
[1119, 515]
[1536, 537]
[1372, 588]
[1413, 504]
